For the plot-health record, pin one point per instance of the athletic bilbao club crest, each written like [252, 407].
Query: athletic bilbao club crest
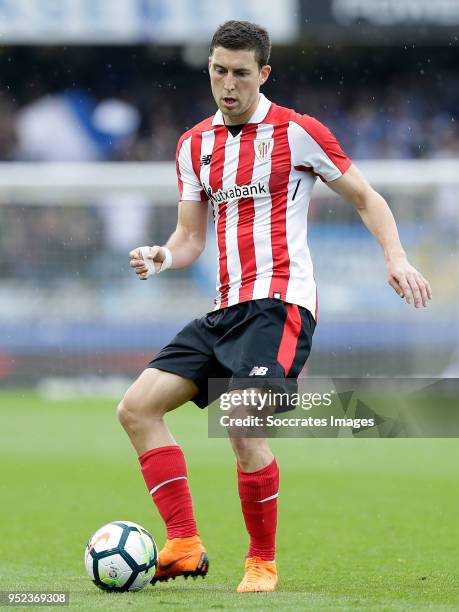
[263, 148]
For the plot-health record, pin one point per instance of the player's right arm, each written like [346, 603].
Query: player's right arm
[188, 241]
[185, 244]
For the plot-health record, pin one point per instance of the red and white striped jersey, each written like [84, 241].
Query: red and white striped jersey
[259, 183]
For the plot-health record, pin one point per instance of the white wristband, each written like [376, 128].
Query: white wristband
[167, 259]
[150, 264]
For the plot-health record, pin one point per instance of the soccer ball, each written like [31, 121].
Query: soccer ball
[121, 556]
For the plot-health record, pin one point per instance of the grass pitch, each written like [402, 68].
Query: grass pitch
[367, 524]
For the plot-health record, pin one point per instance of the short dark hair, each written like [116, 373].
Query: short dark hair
[238, 35]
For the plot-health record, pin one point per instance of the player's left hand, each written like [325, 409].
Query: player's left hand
[408, 283]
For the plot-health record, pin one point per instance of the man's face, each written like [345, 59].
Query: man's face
[235, 79]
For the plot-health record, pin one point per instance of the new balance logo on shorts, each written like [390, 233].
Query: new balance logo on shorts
[258, 371]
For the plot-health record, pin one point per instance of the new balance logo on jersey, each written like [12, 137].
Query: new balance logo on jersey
[236, 192]
[258, 371]
[205, 160]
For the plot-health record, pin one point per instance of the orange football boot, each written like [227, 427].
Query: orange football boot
[260, 576]
[182, 557]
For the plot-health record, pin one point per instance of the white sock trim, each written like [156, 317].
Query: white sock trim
[158, 486]
[261, 501]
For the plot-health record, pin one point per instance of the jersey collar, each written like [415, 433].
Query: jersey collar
[260, 113]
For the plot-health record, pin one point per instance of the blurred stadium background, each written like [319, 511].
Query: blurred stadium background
[93, 97]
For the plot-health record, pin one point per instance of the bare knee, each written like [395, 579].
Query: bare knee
[136, 407]
[152, 395]
[128, 414]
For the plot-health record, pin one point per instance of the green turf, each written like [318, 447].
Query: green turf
[367, 524]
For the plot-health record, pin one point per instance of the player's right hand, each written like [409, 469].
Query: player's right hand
[142, 268]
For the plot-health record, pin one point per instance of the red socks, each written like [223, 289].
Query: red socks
[164, 471]
[258, 492]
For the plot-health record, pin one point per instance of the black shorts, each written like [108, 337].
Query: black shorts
[241, 345]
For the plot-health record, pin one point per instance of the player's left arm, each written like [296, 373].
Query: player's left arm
[406, 281]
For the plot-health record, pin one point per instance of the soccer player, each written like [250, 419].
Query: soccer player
[256, 164]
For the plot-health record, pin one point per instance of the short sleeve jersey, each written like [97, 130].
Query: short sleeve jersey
[259, 184]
